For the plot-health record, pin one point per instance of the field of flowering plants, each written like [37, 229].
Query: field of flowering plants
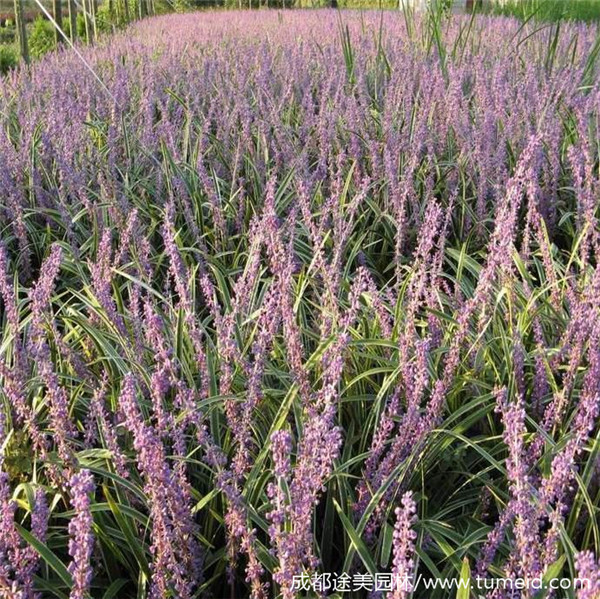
[302, 299]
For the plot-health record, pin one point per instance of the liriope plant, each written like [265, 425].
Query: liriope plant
[280, 305]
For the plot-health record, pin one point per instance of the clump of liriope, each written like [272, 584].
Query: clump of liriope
[266, 297]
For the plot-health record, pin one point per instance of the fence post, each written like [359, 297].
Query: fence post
[21, 31]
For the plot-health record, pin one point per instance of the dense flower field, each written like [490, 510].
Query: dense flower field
[297, 293]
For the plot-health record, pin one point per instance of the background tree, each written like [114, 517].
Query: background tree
[73, 20]
[21, 31]
[57, 9]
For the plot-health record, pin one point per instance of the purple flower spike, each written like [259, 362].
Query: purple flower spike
[81, 543]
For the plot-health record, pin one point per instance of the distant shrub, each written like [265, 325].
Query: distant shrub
[104, 20]
[8, 58]
[162, 7]
[41, 37]
[7, 35]
[547, 10]
[80, 25]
